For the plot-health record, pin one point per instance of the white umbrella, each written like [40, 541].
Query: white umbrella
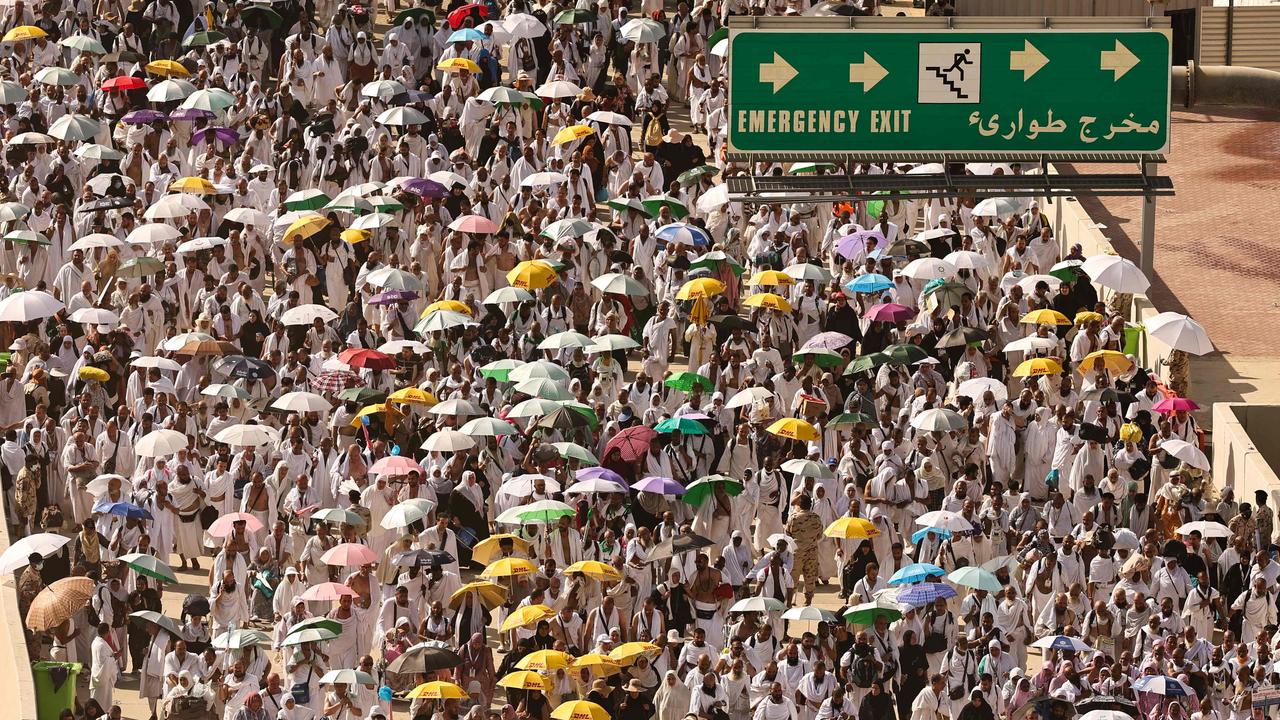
[1031, 343]
[1062, 642]
[595, 485]
[1206, 528]
[748, 397]
[407, 513]
[159, 443]
[969, 260]
[523, 485]
[619, 284]
[93, 241]
[1117, 273]
[176, 342]
[539, 368]
[441, 320]
[29, 305]
[171, 207]
[939, 420]
[447, 178]
[558, 89]
[1106, 715]
[155, 361]
[74, 127]
[15, 556]
[609, 343]
[395, 346]
[929, 269]
[566, 339]
[456, 407]
[195, 245]
[246, 435]
[248, 216]
[998, 207]
[543, 179]
[1179, 332]
[808, 271]
[946, 520]
[803, 467]
[489, 427]
[170, 90]
[153, 233]
[94, 316]
[508, 295]
[374, 221]
[643, 30]
[224, 390]
[605, 117]
[1028, 282]
[401, 116]
[759, 604]
[1187, 453]
[394, 279]
[307, 314]
[533, 407]
[721, 48]
[522, 26]
[299, 401]
[976, 387]
[448, 441]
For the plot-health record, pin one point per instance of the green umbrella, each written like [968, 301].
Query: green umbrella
[314, 634]
[823, 358]
[150, 566]
[585, 411]
[687, 381]
[417, 15]
[83, 43]
[312, 199]
[203, 38]
[656, 202]
[699, 490]
[975, 577]
[720, 34]
[261, 16]
[317, 622]
[714, 259]
[562, 419]
[240, 639]
[862, 363]
[625, 204]
[362, 395]
[866, 613]
[138, 267]
[850, 419]
[575, 17]
[688, 177]
[811, 168]
[544, 511]
[31, 237]
[948, 292]
[164, 622]
[500, 369]
[875, 207]
[685, 425]
[1067, 270]
[574, 451]
[385, 203]
[905, 354]
[534, 101]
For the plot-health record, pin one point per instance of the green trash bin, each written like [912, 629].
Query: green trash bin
[54, 691]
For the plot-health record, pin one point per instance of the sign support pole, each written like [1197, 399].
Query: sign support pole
[1149, 169]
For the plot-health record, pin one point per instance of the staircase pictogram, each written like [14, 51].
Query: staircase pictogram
[944, 76]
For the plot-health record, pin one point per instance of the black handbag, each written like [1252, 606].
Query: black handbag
[301, 692]
[208, 515]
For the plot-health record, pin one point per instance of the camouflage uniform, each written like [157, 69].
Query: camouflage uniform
[805, 527]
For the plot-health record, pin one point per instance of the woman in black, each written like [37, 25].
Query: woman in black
[877, 703]
[252, 334]
[534, 706]
[913, 672]
[978, 707]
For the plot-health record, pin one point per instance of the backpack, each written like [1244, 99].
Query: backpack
[864, 670]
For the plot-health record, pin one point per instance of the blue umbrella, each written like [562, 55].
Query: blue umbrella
[925, 593]
[915, 572]
[684, 425]
[1163, 685]
[685, 233]
[123, 509]
[869, 283]
[941, 532]
[467, 35]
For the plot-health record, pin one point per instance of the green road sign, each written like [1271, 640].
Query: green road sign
[1050, 91]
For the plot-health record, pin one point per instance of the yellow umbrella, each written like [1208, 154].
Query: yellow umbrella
[438, 690]
[491, 594]
[1038, 366]
[527, 615]
[508, 567]
[571, 133]
[373, 409]
[458, 64]
[193, 186]
[391, 416]
[700, 313]
[413, 396]
[851, 528]
[1045, 317]
[1114, 362]
[351, 236]
[700, 288]
[24, 32]
[594, 569]
[487, 550]
[626, 653]
[771, 277]
[579, 710]
[305, 227]
[525, 680]
[1086, 316]
[768, 301]
[793, 429]
[531, 275]
[452, 305]
[93, 373]
[600, 665]
[545, 660]
[167, 68]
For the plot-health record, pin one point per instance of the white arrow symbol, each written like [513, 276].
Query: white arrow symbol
[1120, 61]
[868, 72]
[1029, 60]
[778, 73]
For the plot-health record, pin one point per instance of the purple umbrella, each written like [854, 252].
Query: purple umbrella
[143, 117]
[190, 114]
[851, 246]
[828, 341]
[659, 486]
[391, 297]
[223, 135]
[601, 473]
[426, 189]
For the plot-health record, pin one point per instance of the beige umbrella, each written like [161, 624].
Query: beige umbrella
[58, 602]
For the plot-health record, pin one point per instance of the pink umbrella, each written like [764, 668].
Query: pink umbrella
[828, 341]
[349, 554]
[890, 313]
[1174, 404]
[395, 465]
[222, 526]
[326, 592]
[474, 224]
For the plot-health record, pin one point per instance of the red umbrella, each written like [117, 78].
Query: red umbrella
[362, 358]
[474, 11]
[124, 82]
[890, 313]
[335, 381]
[632, 442]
